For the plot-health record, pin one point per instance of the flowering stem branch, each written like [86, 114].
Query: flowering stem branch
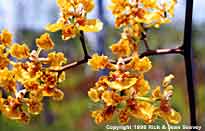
[146, 44]
[71, 65]
[76, 63]
[176, 50]
[144, 39]
[82, 39]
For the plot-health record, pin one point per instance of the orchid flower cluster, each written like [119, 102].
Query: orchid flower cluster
[27, 79]
[73, 18]
[124, 91]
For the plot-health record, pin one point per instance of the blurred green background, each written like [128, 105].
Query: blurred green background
[27, 18]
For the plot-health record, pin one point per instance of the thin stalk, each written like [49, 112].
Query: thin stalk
[187, 47]
[82, 39]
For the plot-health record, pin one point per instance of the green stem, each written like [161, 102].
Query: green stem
[144, 99]
[167, 125]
